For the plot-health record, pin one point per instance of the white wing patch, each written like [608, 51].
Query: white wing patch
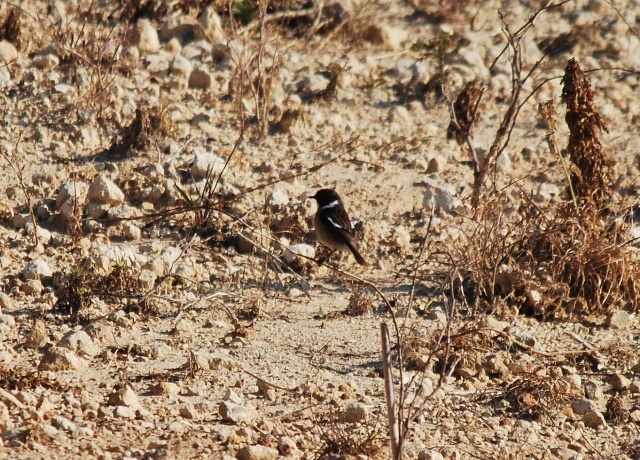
[332, 222]
[333, 204]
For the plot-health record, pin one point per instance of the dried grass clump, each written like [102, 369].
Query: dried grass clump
[150, 124]
[616, 413]
[539, 396]
[564, 260]
[591, 164]
[78, 288]
[360, 302]
[344, 440]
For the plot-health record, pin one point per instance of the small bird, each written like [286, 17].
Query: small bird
[333, 226]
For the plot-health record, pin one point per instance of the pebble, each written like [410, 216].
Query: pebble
[165, 389]
[287, 447]
[37, 269]
[210, 26]
[8, 52]
[290, 254]
[125, 397]
[592, 390]
[200, 79]
[145, 37]
[619, 382]
[231, 412]
[63, 423]
[278, 197]
[442, 196]
[5, 301]
[205, 162]
[32, 287]
[181, 66]
[430, 455]
[257, 452]
[60, 359]
[80, 343]
[594, 419]
[68, 190]
[131, 231]
[620, 319]
[37, 337]
[583, 406]
[104, 190]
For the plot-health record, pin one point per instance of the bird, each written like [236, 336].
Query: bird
[333, 227]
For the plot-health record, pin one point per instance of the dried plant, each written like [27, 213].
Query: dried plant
[539, 396]
[591, 165]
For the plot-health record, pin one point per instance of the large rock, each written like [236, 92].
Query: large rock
[80, 343]
[37, 269]
[237, 413]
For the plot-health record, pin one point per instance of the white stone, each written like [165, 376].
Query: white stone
[278, 197]
[290, 254]
[36, 270]
[205, 162]
[181, 66]
[145, 37]
[8, 52]
[442, 196]
[546, 192]
[210, 26]
[71, 189]
[80, 343]
[583, 406]
[104, 190]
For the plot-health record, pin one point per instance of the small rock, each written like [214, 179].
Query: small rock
[44, 235]
[80, 343]
[583, 406]
[125, 412]
[634, 387]
[183, 326]
[436, 164]
[354, 412]
[442, 196]
[619, 382]
[593, 419]
[181, 66]
[73, 189]
[188, 411]
[145, 37]
[493, 323]
[232, 396]
[5, 301]
[257, 452]
[199, 79]
[210, 26]
[430, 455]
[287, 447]
[620, 319]
[37, 338]
[60, 359]
[104, 190]
[63, 423]
[290, 254]
[205, 163]
[125, 397]
[592, 390]
[237, 413]
[101, 332]
[32, 287]
[10, 400]
[147, 280]
[8, 52]
[165, 389]
[131, 231]
[278, 197]
[37, 269]
[546, 192]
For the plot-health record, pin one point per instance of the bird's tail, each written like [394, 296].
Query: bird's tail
[357, 255]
